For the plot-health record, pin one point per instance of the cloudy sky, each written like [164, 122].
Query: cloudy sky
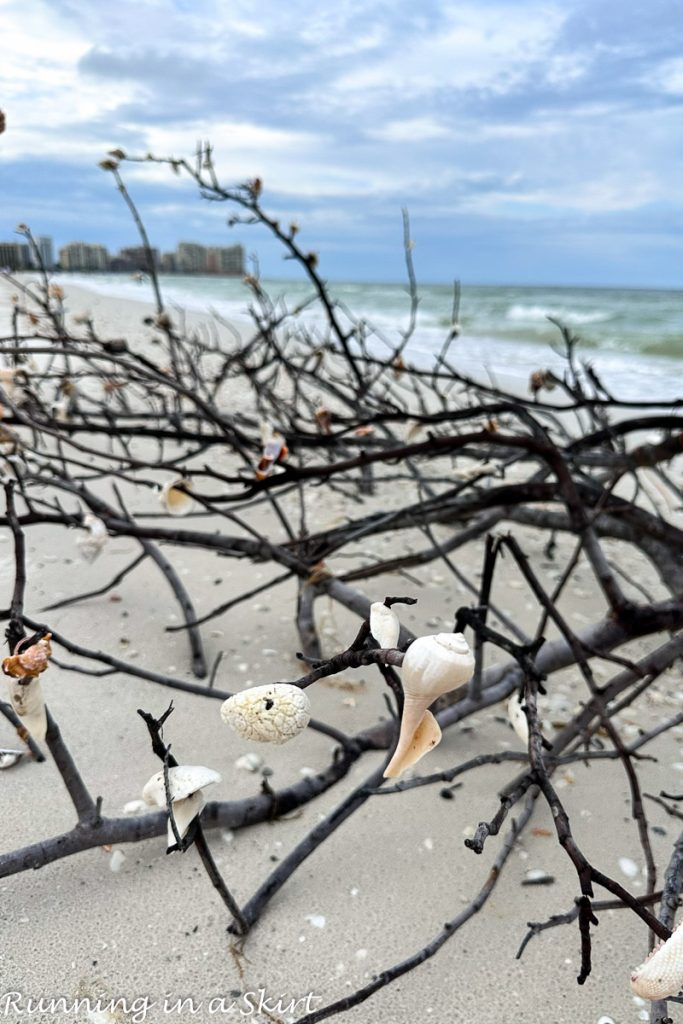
[532, 142]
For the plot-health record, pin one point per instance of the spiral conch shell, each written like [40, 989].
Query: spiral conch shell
[384, 624]
[661, 975]
[432, 665]
[31, 662]
[185, 784]
[274, 713]
[177, 502]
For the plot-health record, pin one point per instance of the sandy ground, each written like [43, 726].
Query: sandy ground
[154, 932]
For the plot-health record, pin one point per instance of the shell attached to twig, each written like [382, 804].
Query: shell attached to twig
[274, 713]
[175, 498]
[92, 542]
[384, 624]
[518, 719]
[432, 665]
[29, 662]
[661, 975]
[25, 693]
[185, 783]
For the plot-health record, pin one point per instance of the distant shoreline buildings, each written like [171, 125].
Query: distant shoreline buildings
[85, 257]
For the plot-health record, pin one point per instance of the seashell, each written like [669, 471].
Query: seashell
[384, 624]
[661, 975]
[7, 381]
[177, 502]
[30, 662]
[250, 762]
[94, 540]
[8, 758]
[185, 783]
[26, 697]
[629, 867]
[116, 861]
[274, 713]
[518, 719]
[432, 665]
[274, 450]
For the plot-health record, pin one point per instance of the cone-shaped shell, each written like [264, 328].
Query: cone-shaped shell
[518, 719]
[26, 697]
[176, 501]
[415, 740]
[183, 781]
[274, 713]
[434, 665]
[384, 624]
[661, 975]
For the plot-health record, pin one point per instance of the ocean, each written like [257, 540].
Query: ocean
[632, 337]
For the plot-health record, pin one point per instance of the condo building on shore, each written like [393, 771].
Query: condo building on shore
[188, 258]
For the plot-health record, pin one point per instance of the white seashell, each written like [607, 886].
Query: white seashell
[94, 540]
[134, 807]
[518, 719]
[661, 975]
[7, 379]
[384, 624]
[185, 783]
[628, 867]
[26, 697]
[250, 762]
[316, 920]
[274, 713]
[8, 758]
[176, 501]
[432, 665]
[116, 861]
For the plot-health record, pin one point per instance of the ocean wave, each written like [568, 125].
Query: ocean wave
[537, 314]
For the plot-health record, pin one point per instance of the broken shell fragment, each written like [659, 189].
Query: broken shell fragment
[174, 497]
[661, 975]
[384, 625]
[518, 719]
[185, 784]
[432, 665]
[274, 713]
[94, 540]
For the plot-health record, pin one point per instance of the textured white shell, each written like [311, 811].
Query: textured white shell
[518, 719]
[27, 701]
[436, 664]
[183, 781]
[274, 713]
[384, 624]
[661, 975]
[175, 501]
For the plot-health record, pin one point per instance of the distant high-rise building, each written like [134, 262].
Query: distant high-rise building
[225, 260]
[135, 257]
[83, 256]
[190, 258]
[44, 247]
[168, 263]
[14, 256]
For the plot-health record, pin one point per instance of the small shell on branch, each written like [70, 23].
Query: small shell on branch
[384, 624]
[518, 719]
[432, 665]
[30, 662]
[175, 498]
[26, 697]
[94, 540]
[274, 450]
[185, 784]
[274, 713]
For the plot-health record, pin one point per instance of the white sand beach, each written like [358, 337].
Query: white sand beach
[148, 929]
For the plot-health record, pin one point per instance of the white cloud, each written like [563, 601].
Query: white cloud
[414, 129]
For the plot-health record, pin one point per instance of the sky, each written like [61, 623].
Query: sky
[532, 142]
